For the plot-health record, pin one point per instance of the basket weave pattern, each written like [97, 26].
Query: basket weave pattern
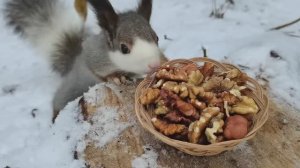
[257, 93]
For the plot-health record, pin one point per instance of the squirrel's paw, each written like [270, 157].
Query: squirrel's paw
[119, 80]
[55, 114]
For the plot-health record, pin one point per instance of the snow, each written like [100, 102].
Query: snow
[241, 38]
[282, 73]
[43, 145]
[147, 160]
[107, 124]
[27, 85]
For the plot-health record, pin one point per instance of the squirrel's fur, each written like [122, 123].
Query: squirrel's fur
[127, 43]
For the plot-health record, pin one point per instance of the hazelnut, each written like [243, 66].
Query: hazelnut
[236, 127]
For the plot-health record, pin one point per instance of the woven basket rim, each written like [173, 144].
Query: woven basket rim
[259, 96]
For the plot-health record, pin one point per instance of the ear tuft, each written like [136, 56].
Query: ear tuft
[81, 8]
[107, 17]
[145, 9]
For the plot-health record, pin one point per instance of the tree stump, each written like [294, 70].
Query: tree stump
[277, 144]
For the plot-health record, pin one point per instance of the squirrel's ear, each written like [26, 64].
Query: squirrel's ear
[145, 9]
[81, 8]
[106, 15]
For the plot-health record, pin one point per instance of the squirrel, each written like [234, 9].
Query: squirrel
[127, 42]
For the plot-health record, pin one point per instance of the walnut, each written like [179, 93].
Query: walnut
[149, 96]
[212, 83]
[173, 101]
[191, 102]
[159, 83]
[239, 90]
[207, 95]
[176, 88]
[218, 84]
[173, 74]
[236, 75]
[195, 77]
[197, 128]
[216, 128]
[161, 108]
[219, 117]
[246, 106]
[226, 84]
[191, 94]
[241, 79]
[236, 92]
[175, 117]
[208, 69]
[216, 102]
[198, 104]
[196, 91]
[168, 129]
[189, 68]
[230, 98]
[169, 98]
[233, 73]
[171, 86]
[187, 109]
[184, 92]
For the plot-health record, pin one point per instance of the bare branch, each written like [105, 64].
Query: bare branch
[285, 25]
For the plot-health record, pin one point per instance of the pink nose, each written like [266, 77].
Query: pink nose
[154, 65]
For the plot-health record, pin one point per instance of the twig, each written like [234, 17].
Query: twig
[285, 25]
[292, 35]
[204, 52]
[230, 1]
[219, 12]
[243, 66]
[214, 5]
[167, 38]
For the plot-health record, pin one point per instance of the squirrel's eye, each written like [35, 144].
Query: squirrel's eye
[125, 49]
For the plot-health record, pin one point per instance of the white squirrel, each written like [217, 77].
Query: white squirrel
[127, 43]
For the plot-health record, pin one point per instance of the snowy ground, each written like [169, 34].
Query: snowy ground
[27, 137]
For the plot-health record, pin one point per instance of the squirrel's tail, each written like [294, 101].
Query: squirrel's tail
[54, 27]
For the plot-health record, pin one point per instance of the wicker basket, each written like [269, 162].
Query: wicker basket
[257, 94]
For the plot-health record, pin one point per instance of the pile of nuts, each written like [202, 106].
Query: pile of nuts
[199, 104]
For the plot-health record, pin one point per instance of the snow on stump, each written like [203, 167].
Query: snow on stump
[116, 139]
[111, 141]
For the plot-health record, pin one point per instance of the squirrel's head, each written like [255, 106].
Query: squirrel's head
[133, 44]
